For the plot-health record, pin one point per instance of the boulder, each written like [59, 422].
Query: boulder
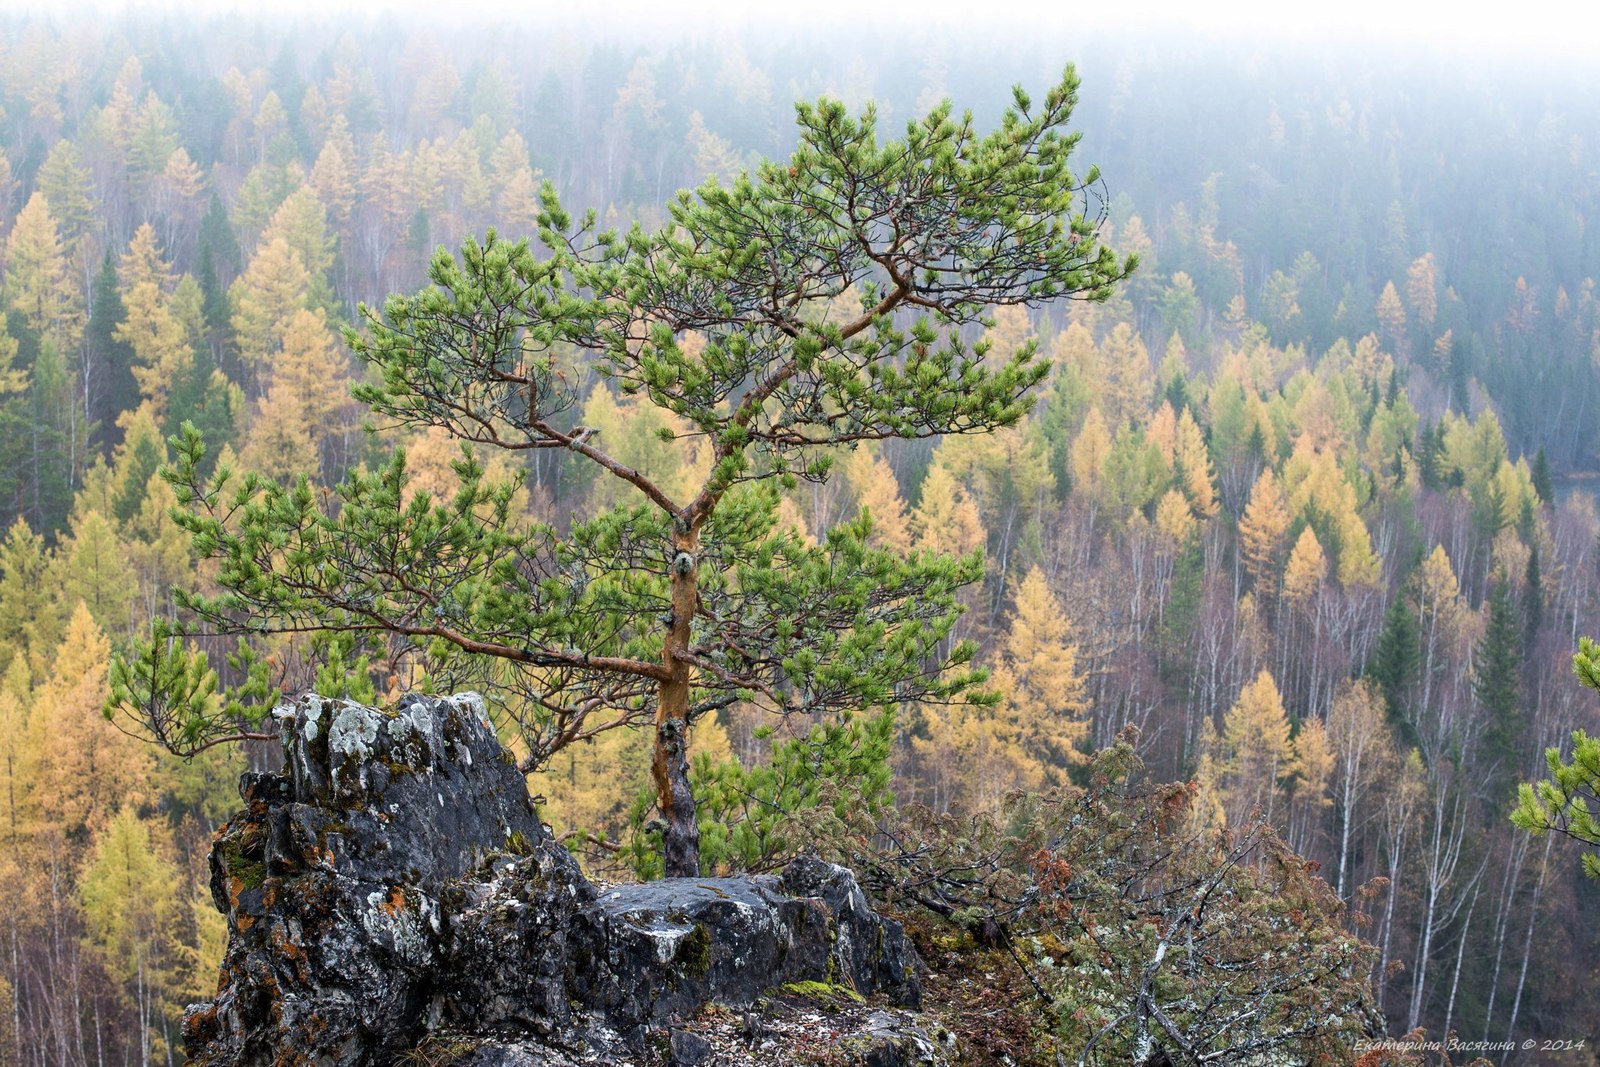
[393, 894]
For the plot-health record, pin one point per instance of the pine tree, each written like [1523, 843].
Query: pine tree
[821, 630]
[220, 246]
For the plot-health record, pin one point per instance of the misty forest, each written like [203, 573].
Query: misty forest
[1140, 520]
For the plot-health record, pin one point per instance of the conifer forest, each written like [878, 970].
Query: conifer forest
[1175, 472]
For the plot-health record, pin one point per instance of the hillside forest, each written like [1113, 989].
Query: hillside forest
[1305, 502]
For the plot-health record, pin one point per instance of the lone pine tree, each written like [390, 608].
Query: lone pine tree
[827, 297]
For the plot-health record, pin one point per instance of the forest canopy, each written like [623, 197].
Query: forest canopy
[1304, 499]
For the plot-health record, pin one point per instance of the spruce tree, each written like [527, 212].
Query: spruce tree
[1541, 478]
[110, 386]
[667, 607]
[1398, 657]
[1496, 682]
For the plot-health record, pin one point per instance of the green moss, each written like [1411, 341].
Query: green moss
[694, 953]
[250, 872]
[517, 844]
[827, 994]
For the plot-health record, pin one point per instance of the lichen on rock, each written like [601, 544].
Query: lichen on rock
[394, 890]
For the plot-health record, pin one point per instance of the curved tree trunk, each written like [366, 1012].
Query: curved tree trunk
[669, 764]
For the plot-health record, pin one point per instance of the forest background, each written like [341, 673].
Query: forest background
[1305, 502]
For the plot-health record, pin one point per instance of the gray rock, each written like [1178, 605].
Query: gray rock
[394, 890]
[688, 1049]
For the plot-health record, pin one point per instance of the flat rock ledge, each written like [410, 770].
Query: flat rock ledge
[392, 897]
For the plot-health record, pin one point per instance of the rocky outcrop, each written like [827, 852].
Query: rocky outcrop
[392, 896]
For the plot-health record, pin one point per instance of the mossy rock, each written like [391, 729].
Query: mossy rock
[830, 995]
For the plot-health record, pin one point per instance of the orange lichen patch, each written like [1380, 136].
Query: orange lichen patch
[396, 901]
[290, 950]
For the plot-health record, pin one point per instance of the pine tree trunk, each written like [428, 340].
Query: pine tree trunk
[669, 765]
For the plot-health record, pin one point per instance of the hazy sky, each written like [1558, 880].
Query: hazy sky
[1566, 29]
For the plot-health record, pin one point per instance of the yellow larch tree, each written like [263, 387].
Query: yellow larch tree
[1262, 529]
[302, 221]
[1392, 317]
[1314, 480]
[1038, 676]
[161, 348]
[96, 572]
[1192, 462]
[31, 614]
[13, 738]
[431, 458]
[714, 156]
[1029, 739]
[1311, 769]
[1422, 289]
[333, 175]
[265, 297]
[159, 551]
[877, 492]
[144, 265]
[1073, 350]
[945, 520]
[1127, 380]
[1163, 431]
[1254, 753]
[38, 278]
[1175, 521]
[301, 410]
[82, 768]
[1306, 570]
[1088, 454]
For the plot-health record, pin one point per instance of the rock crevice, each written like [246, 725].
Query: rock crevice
[394, 889]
